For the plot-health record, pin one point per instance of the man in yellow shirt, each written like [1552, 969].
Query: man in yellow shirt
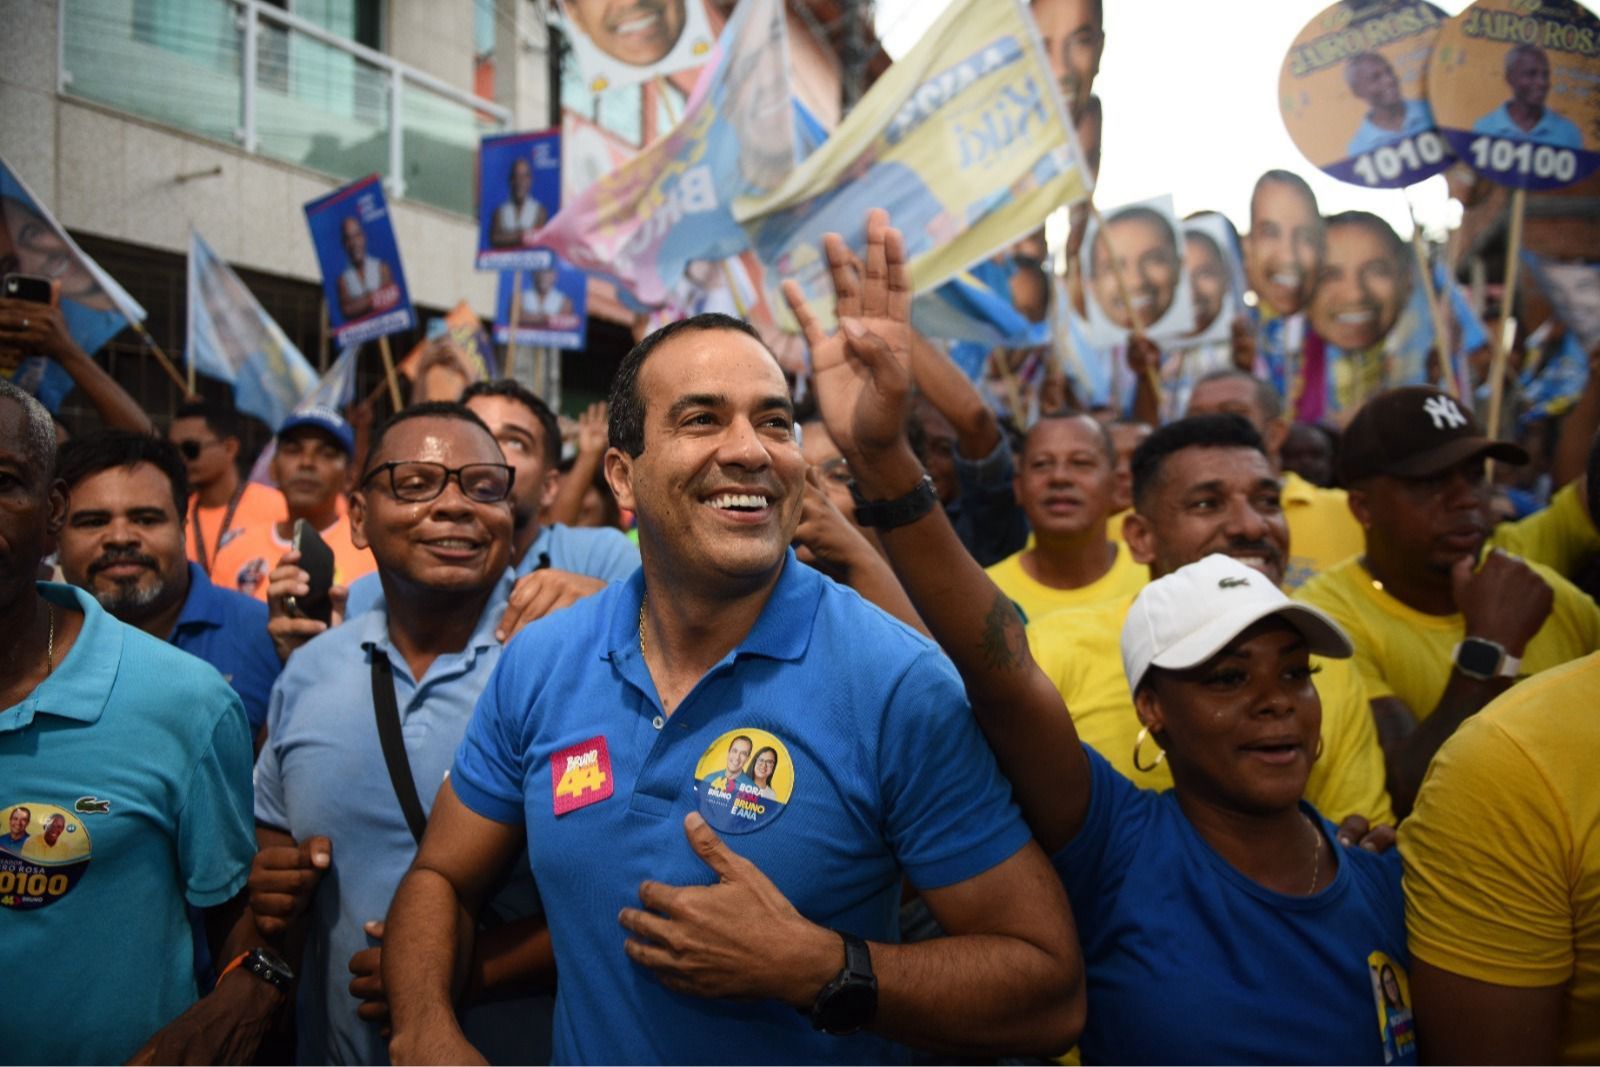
[1202, 485]
[1322, 532]
[311, 466]
[1502, 880]
[1064, 484]
[1436, 638]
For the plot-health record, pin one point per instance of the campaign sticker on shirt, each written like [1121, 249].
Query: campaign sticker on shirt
[44, 850]
[1511, 84]
[743, 781]
[581, 775]
[1392, 994]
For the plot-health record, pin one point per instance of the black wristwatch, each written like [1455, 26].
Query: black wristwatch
[1485, 660]
[266, 965]
[901, 511]
[850, 1001]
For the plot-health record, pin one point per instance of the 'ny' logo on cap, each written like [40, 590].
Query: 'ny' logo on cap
[1444, 413]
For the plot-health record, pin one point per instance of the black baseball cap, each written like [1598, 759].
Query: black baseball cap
[1416, 432]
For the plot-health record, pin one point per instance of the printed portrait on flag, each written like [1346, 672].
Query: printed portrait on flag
[620, 44]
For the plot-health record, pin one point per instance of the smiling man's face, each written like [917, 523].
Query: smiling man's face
[637, 32]
[123, 541]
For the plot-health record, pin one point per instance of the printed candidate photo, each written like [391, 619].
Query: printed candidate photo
[1358, 110]
[551, 310]
[519, 191]
[1216, 276]
[629, 42]
[1135, 267]
[744, 780]
[360, 260]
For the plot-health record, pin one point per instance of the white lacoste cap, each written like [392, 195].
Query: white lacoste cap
[1185, 618]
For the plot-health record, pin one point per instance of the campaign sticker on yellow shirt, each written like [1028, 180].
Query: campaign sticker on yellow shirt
[743, 781]
[1392, 993]
[44, 850]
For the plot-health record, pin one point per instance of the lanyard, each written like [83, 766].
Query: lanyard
[227, 522]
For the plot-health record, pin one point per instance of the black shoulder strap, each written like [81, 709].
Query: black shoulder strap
[394, 745]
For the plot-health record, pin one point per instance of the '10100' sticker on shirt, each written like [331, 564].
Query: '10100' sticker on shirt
[44, 851]
[743, 781]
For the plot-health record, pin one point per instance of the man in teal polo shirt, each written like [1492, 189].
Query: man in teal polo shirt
[595, 735]
[81, 695]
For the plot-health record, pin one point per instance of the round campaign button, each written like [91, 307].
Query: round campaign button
[44, 851]
[743, 781]
[1515, 89]
[1352, 93]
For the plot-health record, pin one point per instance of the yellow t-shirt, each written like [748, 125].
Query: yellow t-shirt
[1322, 532]
[1560, 536]
[1081, 653]
[1404, 653]
[1502, 854]
[1038, 600]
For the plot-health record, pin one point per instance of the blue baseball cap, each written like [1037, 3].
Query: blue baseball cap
[325, 419]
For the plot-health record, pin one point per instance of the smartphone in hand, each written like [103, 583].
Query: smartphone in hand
[316, 559]
[31, 288]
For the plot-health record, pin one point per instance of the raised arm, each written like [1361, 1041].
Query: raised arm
[428, 937]
[863, 387]
[46, 334]
[949, 390]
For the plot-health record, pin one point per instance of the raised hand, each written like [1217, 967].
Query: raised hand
[861, 373]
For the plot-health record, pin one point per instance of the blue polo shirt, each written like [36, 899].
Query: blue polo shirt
[1189, 961]
[880, 772]
[229, 631]
[322, 771]
[601, 553]
[1552, 129]
[144, 752]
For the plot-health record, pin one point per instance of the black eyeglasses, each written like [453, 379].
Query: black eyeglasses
[417, 482]
[191, 448]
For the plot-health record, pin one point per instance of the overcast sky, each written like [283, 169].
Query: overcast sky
[1189, 90]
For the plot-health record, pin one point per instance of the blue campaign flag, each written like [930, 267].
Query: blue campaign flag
[94, 307]
[553, 307]
[360, 260]
[519, 190]
[232, 339]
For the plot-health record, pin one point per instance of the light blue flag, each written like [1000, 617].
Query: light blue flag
[334, 392]
[94, 307]
[232, 339]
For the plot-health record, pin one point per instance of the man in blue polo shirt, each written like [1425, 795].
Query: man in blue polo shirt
[555, 565]
[596, 734]
[124, 542]
[433, 506]
[140, 755]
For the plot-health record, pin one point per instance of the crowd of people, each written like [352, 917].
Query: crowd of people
[879, 712]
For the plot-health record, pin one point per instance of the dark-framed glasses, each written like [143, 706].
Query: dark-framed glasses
[417, 481]
[192, 448]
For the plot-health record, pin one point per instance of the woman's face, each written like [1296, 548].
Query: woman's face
[763, 765]
[1241, 729]
[39, 251]
[1391, 988]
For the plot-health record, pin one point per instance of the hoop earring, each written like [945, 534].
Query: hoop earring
[1161, 753]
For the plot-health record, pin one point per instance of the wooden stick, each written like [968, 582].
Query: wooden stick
[389, 373]
[512, 342]
[1008, 378]
[187, 389]
[1502, 345]
[1441, 333]
[1136, 329]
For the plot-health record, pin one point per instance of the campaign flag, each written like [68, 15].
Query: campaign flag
[465, 331]
[1573, 290]
[641, 225]
[965, 309]
[625, 44]
[519, 190]
[965, 141]
[361, 274]
[94, 307]
[232, 339]
[554, 308]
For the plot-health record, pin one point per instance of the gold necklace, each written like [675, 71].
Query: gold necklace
[1316, 853]
[642, 601]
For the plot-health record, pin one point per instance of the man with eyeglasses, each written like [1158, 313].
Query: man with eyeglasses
[222, 505]
[434, 506]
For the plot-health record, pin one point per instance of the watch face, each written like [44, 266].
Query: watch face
[1479, 658]
[850, 1007]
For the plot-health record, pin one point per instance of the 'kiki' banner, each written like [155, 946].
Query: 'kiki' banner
[360, 260]
[965, 141]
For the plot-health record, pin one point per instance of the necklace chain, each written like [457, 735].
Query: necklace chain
[50, 640]
[642, 602]
[1316, 853]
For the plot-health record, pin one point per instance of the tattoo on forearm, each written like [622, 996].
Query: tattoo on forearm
[1003, 636]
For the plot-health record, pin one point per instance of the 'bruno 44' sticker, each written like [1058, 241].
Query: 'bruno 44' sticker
[580, 775]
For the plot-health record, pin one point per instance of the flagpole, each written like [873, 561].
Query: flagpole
[512, 345]
[1441, 336]
[1152, 378]
[1502, 344]
[166, 363]
[389, 373]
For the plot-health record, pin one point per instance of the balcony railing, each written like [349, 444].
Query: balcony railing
[250, 74]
